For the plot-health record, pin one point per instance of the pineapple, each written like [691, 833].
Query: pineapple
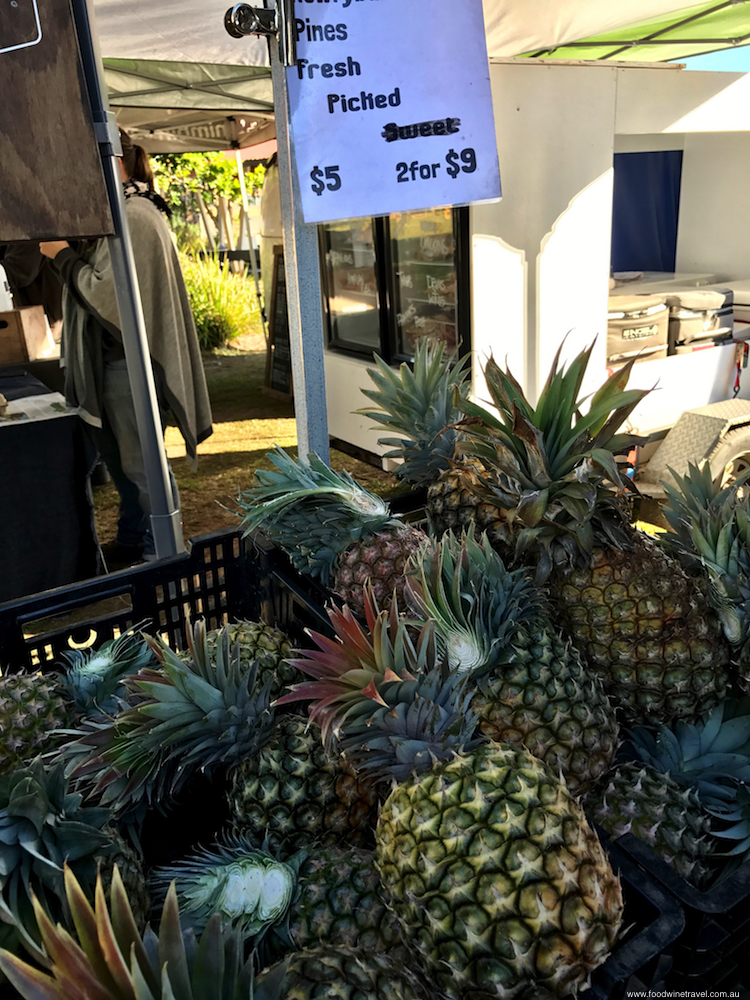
[638, 799]
[333, 973]
[332, 528]
[684, 793]
[34, 706]
[319, 895]
[44, 825]
[638, 619]
[109, 961]
[711, 538]
[292, 789]
[261, 644]
[210, 714]
[417, 402]
[486, 859]
[532, 688]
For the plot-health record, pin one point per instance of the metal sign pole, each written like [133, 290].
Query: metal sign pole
[165, 516]
[301, 261]
[302, 265]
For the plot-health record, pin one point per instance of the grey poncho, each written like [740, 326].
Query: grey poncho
[90, 313]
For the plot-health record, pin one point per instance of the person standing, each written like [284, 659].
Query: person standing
[96, 376]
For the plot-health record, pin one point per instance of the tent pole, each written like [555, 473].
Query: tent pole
[246, 222]
[302, 267]
[165, 516]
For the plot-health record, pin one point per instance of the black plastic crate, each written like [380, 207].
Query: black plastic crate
[215, 581]
[712, 950]
[285, 596]
[411, 506]
[652, 923]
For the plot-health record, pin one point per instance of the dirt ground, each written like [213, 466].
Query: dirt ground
[247, 424]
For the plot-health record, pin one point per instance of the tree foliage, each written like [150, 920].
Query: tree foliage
[185, 177]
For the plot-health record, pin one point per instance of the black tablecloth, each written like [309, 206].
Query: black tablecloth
[47, 535]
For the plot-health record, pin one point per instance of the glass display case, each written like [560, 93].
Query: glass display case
[424, 278]
[390, 281]
[350, 278]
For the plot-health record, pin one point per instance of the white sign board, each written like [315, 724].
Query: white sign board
[391, 108]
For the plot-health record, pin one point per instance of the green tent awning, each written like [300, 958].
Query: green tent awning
[707, 27]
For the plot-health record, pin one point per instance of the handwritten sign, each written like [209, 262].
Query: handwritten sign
[391, 108]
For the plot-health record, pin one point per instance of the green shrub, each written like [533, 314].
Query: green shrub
[224, 304]
[189, 237]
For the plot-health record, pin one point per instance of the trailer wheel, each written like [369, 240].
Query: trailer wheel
[731, 456]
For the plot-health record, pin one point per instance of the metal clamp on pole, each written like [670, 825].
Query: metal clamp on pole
[107, 133]
[242, 19]
[245, 20]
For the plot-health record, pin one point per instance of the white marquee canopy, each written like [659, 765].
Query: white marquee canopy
[179, 82]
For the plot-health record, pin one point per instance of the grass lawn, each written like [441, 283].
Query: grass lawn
[247, 424]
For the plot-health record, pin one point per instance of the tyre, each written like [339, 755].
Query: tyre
[731, 456]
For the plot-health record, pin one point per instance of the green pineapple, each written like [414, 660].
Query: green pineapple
[487, 861]
[210, 714]
[35, 706]
[334, 973]
[110, 961]
[711, 537]
[332, 528]
[319, 895]
[684, 792]
[638, 799]
[293, 790]
[265, 644]
[639, 620]
[32, 707]
[533, 689]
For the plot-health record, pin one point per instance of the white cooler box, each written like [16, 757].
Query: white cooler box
[699, 315]
[741, 291]
[637, 325]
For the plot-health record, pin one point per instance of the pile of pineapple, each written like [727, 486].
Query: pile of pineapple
[407, 808]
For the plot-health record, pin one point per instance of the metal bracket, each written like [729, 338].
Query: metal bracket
[108, 134]
[242, 19]
[245, 20]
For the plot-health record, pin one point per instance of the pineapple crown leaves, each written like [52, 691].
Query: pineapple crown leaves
[737, 832]
[193, 715]
[388, 700]
[546, 444]
[248, 887]
[418, 403]
[110, 961]
[42, 825]
[711, 756]
[476, 603]
[357, 661]
[711, 534]
[93, 678]
[312, 512]
[409, 725]
[551, 469]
